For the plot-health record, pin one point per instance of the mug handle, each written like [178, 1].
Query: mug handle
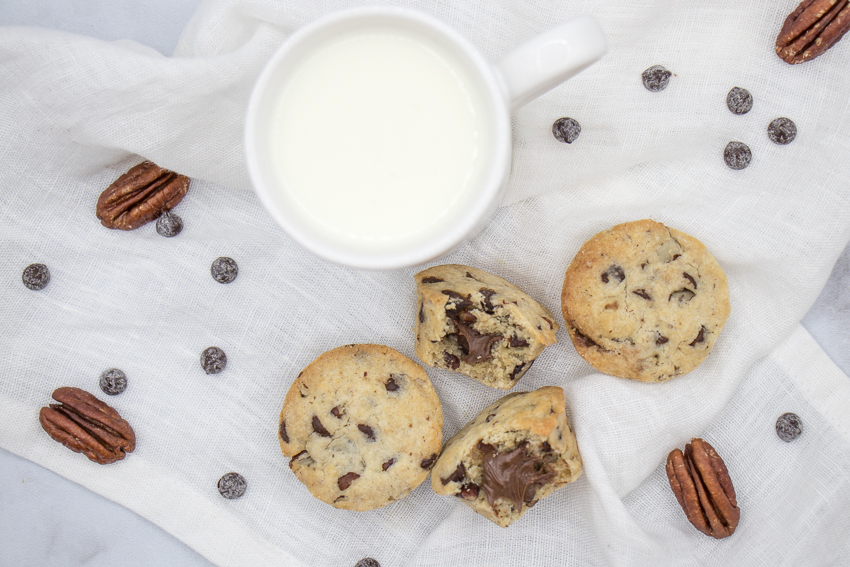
[549, 59]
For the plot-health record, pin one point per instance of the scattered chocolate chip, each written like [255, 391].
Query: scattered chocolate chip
[169, 224]
[213, 360]
[367, 562]
[319, 428]
[282, 432]
[489, 417]
[566, 130]
[660, 340]
[613, 272]
[469, 491]
[739, 101]
[224, 270]
[551, 324]
[584, 340]
[421, 313]
[674, 257]
[367, 431]
[656, 78]
[485, 302]
[391, 385]
[690, 279]
[387, 465]
[517, 342]
[782, 131]
[36, 276]
[113, 382]
[304, 459]
[789, 427]
[479, 345]
[642, 293]
[517, 372]
[456, 476]
[683, 295]
[335, 411]
[451, 360]
[429, 462]
[457, 302]
[700, 337]
[737, 155]
[431, 279]
[345, 480]
[471, 276]
[232, 485]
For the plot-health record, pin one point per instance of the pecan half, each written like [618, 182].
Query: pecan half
[811, 29]
[86, 425]
[702, 486]
[140, 195]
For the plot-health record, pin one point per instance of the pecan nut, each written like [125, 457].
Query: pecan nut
[811, 29]
[86, 425]
[702, 486]
[140, 195]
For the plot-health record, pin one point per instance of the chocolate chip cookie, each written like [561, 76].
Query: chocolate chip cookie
[514, 453]
[644, 301]
[478, 324]
[362, 426]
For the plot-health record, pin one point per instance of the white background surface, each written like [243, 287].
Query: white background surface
[42, 515]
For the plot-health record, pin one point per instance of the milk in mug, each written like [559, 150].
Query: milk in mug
[380, 139]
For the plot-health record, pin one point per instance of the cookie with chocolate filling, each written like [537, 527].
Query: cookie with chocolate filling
[478, 324]
[361, 426]
[644, 301]
[514, 453]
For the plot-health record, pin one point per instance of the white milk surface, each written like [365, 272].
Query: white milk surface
[380, 139]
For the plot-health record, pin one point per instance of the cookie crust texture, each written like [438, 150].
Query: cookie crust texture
[509, 329]
[362, 426]
[644, 301]
[531, 424]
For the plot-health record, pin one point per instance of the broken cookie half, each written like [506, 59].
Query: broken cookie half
[514, 453]
[478, 324]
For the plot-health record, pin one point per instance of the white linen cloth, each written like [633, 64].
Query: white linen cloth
[77, 112]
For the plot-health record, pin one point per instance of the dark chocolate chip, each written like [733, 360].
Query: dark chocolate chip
[782, 131]
[456, 476]
[431, 279]
[642, 293]
[546, 447]
[660, 340]
[700, 337]
[232, 485]
[471, 276]
[224, 270]
[789, 427]
[345, 480]
[469, 491]
[613, 272]
[551, 324]
[457, 302]
[319, 428]
[36, 276]
[282, 432]
[213, 360]
[739, 100]
[302, 455]
[367, 431]
[429, 462]
[690, 279]
[485, 301]
[335, 411]
[584, 340]
[517, 372]
[391, 385]
[674, 257]
[683, 295]
[422, 313]
[113, 382]
[737, 155]
[387, 465]
[451, 360]
[489, 417]
[517, 342]
[169, 224]
[656, 78]
[566, 130]
[367, 562]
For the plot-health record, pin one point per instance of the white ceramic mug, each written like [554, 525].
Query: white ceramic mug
[379, 137]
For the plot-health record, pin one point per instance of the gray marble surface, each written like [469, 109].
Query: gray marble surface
[49, 521]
